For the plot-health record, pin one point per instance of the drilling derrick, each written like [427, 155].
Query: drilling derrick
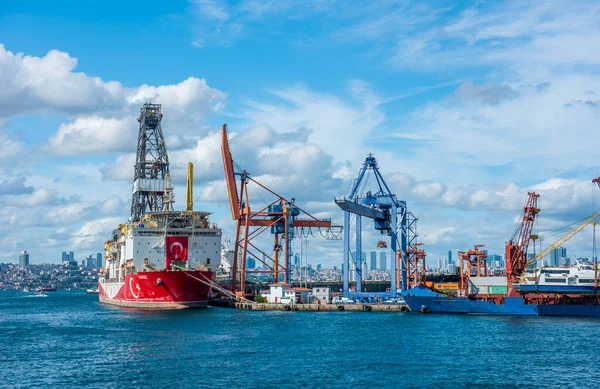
[516, 248]
[151, 164]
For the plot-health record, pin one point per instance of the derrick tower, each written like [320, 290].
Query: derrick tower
[151, 164]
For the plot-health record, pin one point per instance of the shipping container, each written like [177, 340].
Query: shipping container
[447, 286]
[497, 289]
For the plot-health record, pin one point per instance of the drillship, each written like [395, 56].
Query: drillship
[160, 258]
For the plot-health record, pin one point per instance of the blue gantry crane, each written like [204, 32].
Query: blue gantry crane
[390, 216]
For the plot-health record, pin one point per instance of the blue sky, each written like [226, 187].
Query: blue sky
[467, 105]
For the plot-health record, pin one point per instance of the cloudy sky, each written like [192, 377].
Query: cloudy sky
[467, 105]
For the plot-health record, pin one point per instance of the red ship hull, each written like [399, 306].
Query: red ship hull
[158, 290]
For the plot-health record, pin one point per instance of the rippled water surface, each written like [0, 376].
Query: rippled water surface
[69, 340]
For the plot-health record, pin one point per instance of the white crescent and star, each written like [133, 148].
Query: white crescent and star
[176, 244]
[137, 287]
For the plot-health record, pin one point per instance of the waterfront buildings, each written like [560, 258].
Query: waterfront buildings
[61, 276]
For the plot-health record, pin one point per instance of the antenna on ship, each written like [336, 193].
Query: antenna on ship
[151, 164]
[169, 196]
[189, 193]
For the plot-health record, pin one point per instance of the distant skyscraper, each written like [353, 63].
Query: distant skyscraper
[23, 259]
[364, 271]
[452, 268]
[251, 263]
[297, 260]
[373, 260]
[449, 257]
[65, 257]
[382, 261]
[319, 267]
[556, 255]
[71, 256]
[99, 260]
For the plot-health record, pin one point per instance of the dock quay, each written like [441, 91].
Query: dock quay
[323, 307]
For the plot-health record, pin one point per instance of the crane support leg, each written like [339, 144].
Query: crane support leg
[236, 248]
[358, 254]
[403, 244]
[393, 268]
[346, 271]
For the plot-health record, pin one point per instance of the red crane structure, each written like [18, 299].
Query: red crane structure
[516, 248]
[280, 216]
[415, 265]
[471, 263]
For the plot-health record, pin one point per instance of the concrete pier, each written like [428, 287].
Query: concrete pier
[323, 307]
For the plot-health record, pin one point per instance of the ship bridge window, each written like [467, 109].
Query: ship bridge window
[586, 280]
[559, 280]
[560, 271]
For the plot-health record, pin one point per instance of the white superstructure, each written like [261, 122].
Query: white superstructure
[142, 246]
[581, 274]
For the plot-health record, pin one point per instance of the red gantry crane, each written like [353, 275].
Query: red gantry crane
[280, 216]
[471, 263]
[415, 265]
[516, 248]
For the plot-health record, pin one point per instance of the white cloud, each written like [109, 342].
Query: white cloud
[94, 232]
[41, 196]
[36, 84]
[106, 112]
[14, 186]
[88, 135]
[120, 170]
[215, 23]
[434, 235]
[337, 126]
[10, 147]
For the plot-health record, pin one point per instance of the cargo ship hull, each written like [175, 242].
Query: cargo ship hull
[158, 290]
[422, 299]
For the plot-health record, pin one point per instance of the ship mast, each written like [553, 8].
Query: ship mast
[151, 164]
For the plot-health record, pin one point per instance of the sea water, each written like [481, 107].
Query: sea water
[69, 340]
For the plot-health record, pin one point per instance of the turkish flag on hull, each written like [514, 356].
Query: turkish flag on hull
[176, 249]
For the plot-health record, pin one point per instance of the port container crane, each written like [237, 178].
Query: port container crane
[390, 217]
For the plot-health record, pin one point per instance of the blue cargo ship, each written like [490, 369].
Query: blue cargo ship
[423, 299]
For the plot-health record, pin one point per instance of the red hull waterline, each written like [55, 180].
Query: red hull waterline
[158, 290]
